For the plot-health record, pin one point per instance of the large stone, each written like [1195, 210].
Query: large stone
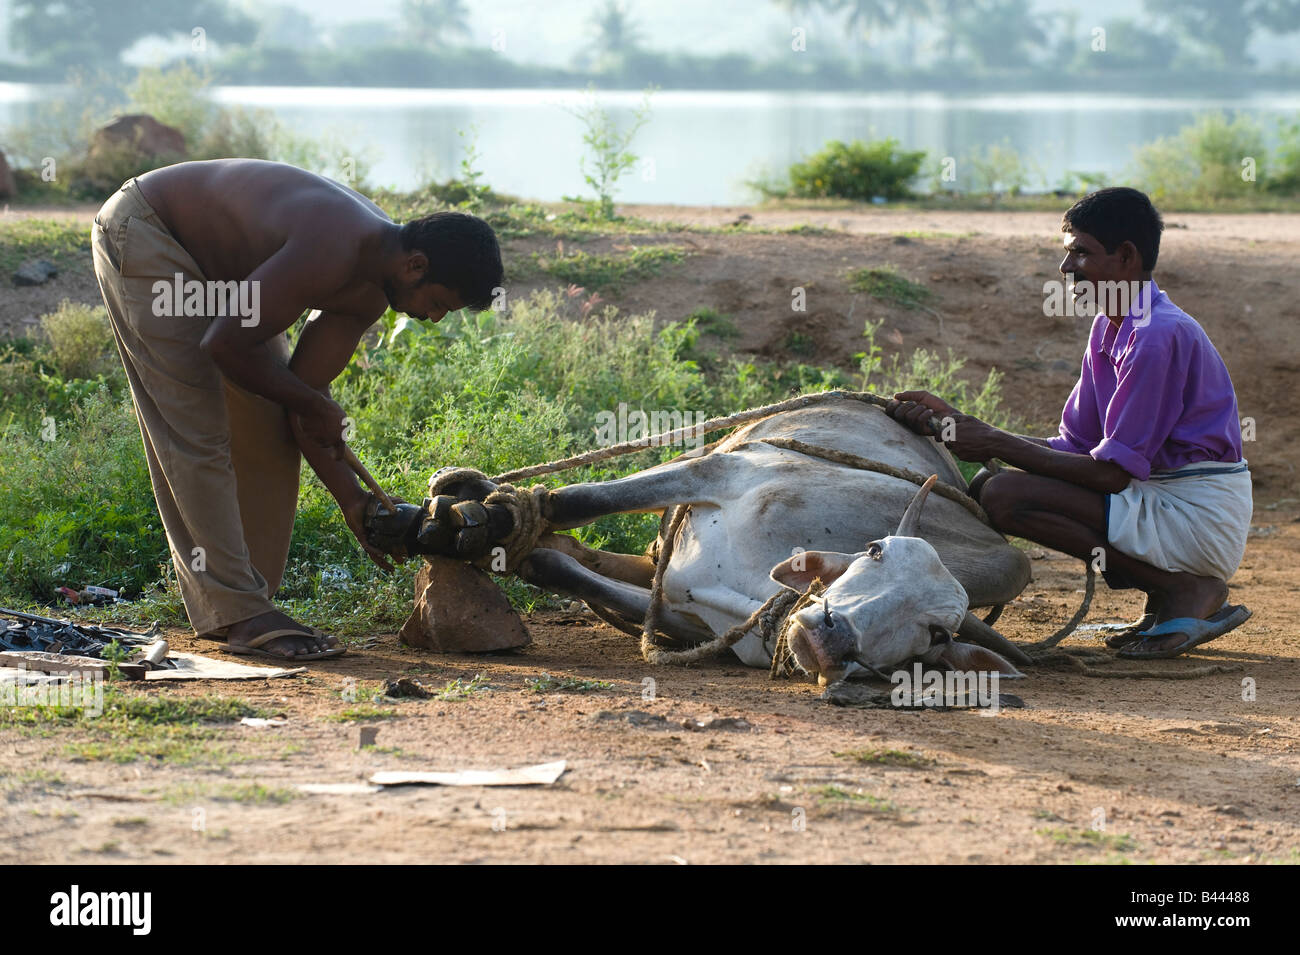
[8, 188]
[460, 609]
[35, 272]
[142, 135]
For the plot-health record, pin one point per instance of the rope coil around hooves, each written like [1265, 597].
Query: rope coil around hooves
[527, 507]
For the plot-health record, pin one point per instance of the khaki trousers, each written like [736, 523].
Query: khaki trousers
[223, 461]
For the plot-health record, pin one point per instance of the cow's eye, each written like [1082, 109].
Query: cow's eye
[875, 551]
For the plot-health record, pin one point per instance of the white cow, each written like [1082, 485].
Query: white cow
[762, 517]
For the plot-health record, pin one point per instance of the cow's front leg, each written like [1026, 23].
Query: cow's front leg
[559, 573]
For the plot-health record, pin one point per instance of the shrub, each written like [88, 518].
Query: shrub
[1284, 175]
[1203, 160]
[79, 340]
[997, 170]
[856, 170]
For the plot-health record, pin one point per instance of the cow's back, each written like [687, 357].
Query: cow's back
[857, 428]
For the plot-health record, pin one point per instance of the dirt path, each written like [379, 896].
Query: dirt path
[1170, 770]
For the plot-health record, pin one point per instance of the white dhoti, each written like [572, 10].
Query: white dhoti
[1193, 519]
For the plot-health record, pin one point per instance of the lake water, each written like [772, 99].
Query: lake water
[701, 147]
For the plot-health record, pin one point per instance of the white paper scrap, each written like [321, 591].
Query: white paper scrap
[542, 774]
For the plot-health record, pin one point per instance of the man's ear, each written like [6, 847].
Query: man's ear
[417, 264]
[968, 656]
[800, 570]
[1130, 256]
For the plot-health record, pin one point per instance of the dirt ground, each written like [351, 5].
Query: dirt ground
[1090, 770]
[1173, 770]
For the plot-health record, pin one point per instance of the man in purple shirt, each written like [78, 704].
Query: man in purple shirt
[1146, 478]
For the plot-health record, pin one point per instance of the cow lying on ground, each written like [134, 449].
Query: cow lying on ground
[762, 517]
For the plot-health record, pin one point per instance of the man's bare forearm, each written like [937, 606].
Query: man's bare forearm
[335, 474]
[1105, 477]
[256, 370]
[1041, 442]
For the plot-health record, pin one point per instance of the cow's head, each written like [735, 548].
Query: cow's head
[883, 606]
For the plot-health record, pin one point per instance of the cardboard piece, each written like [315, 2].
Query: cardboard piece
[191, 666]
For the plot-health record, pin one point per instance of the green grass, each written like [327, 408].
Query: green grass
[563, 684]
[837, 795]
[886, 757]
[459, 689]
[612, 271]
[1090, 839]
[62, 242]
[712, 322]
[800, 343]
[248, 793]
[357, 713]
[141, 726]
[888, 285]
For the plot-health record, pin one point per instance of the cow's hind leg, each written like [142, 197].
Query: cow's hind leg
[704, 480]
[557, 572]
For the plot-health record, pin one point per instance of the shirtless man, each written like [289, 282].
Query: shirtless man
[1147, 470]
[203, 266]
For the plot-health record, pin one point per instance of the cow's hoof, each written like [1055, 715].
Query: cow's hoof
[393, 532]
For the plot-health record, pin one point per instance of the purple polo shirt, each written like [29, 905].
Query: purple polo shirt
[1153, 395]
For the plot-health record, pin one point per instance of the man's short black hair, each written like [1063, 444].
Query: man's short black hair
[463, 255]
[1117, 215]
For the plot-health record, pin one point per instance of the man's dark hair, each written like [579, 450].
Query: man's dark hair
[463, 255]
[1117, 215]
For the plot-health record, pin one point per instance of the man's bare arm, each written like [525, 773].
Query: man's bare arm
[286, 284]
[323, 351]
[975, 440]
[1041, 442]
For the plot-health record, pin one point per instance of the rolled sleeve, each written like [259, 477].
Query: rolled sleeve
[1131, 461]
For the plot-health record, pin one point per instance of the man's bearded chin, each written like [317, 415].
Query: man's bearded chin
[393, 292]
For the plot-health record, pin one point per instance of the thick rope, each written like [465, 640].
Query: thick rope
[670, 438]
[1089, 588]
[527, 507]
[867, 464]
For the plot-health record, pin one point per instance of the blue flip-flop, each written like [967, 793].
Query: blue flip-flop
[1228, 617]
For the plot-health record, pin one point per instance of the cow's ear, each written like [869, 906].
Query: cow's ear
[968, 656]
[801, 569]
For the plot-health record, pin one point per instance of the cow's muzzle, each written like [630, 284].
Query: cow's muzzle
[821, 643]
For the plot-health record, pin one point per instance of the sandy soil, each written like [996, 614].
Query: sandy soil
[1173, 770]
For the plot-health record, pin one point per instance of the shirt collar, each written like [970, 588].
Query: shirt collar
[1139, 316]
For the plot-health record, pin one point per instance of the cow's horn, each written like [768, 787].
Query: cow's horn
[911, 521]
[977, 631]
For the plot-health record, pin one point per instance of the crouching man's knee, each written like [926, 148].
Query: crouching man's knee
[978, 481]
[999, 496]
